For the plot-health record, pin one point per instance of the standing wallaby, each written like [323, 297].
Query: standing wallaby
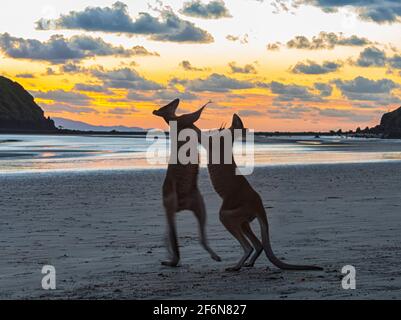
[180, 187]
[241, 204]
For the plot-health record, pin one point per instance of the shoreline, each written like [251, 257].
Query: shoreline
[163, 168]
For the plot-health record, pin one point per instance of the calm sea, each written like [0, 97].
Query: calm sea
[51, 153]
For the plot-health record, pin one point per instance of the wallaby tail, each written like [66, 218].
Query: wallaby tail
[269, 251]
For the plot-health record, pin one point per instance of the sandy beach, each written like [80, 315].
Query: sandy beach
[104, 233]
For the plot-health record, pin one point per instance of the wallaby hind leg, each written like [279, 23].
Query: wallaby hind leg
[172, 239]
[235, 229]
[246, 228]
[170, 203]
[200, 213]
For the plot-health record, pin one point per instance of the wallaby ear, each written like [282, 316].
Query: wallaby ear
[189, 119]
[237, 122]
[168, 111]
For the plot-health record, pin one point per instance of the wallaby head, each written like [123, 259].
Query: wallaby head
[236, 123]
[183, 121]
[168, 111]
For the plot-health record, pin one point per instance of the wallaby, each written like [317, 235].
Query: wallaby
[180, 188]
[241, 204]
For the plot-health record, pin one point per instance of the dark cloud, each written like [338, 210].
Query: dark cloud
[124, 78]
[186, 65]
[50, 72]
[71, 68]
[91, 88]
[116, 19]
[62, 96]
[293, 92]
[161, 96]
[324, 89]
[372, 57]
[363, 89]
[311, 67]
[213, 10]
[326, 40]
[379, 11]
[250, 113]
[248, 68]
[395, 62]
[59, 49]
[26, 76]
[214, 83]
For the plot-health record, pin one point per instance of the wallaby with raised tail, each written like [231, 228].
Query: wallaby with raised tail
[241, 204]
[180, 187]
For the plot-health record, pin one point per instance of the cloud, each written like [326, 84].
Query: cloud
[248, 68]
[326, 40]
[65, 107]
[26, 76]
[395, 62]
[293, 92]
[215, 9]
[91, 88]
[116, 19]
[311, 67]
[344, 114]
[122, 111]
[62, 96]
[371, 57]
[186, 65]
[289, 111]
[273, 46]
[142, 51]
[215, 83]
[71, 68]
[50, 72]
[59, 49]
[241, 39]
[250, 113]
[324, 89]
[165, 95]
[124, 78]
[374, 57]
[388, 11]
[363, 89]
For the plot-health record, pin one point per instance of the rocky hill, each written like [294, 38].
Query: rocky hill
[390, 124]
[18, 110]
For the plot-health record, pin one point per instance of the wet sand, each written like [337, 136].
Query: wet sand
[104, 233]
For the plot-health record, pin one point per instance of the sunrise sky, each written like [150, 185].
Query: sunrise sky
[288, 65]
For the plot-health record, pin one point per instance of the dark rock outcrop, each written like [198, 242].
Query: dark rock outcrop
[390, 124]
[18, 110]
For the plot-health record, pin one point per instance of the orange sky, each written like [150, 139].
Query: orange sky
[345, 77]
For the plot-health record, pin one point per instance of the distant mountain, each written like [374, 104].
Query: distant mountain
[82, 126]
[18, 110]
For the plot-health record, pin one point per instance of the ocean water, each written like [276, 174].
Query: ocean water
[52, 153]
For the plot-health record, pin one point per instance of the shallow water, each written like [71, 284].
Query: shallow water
[47, 153]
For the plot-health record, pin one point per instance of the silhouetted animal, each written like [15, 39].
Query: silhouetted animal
[180, 188]
[241, 205]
